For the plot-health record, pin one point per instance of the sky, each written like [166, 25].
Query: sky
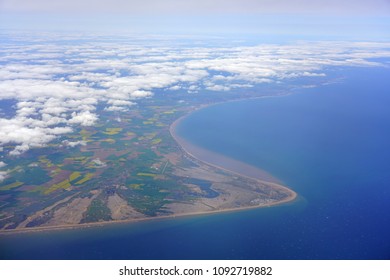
[57, 80]
[200, 7]
[331, 18]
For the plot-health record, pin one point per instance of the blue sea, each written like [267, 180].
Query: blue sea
[331, 144]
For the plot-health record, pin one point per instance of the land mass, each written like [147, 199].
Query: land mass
[131, 167]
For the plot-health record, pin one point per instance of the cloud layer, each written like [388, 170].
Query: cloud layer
[57, 84]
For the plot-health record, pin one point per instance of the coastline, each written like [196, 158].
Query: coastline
[146, 219]
[240, 169]
[219, 161]
[235, 167]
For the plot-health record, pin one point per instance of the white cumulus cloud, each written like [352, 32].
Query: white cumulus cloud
[3, 175]
[74, 143]
[83, 118]
[58, 86]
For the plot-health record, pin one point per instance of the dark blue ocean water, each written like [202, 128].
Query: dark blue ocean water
[331, 144]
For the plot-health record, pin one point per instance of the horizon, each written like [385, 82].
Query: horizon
[299, 19]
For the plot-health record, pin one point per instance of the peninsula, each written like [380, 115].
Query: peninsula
[128, 169]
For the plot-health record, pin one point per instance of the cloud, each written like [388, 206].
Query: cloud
[218, 88]
[177, 87]
[141, 94]
[119, 105]
[83, 118]
[3, 175]
[116, 109]
[98, 163]
[2, 164]
[74, 143]
[57, 86]
[28, 133]
[121, 102]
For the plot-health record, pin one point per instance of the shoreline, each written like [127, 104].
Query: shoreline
[262, 177]
[146, 219]
[213, 158]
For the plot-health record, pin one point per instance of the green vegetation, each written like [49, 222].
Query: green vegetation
[97, 211]
[32, 175]
[149, 200]
[133, 165]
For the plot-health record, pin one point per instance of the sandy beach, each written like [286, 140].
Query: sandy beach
[202, 157]
[225, 163]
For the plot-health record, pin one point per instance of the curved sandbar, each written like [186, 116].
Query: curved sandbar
[229, 165]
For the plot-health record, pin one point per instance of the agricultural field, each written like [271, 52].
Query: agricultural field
[126, 166]
[125, 157]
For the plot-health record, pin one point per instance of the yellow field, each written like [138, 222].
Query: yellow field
[86, 178]
[136, 186]
[44, 160]
[150, 135]
[74, 176]
[112, 131]
[156, 141]
[146, 174]
[11, 186]
[67, 183]
[109, 140]
[62, 185]
[84, 134]
[55, 172]
[79, 159]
